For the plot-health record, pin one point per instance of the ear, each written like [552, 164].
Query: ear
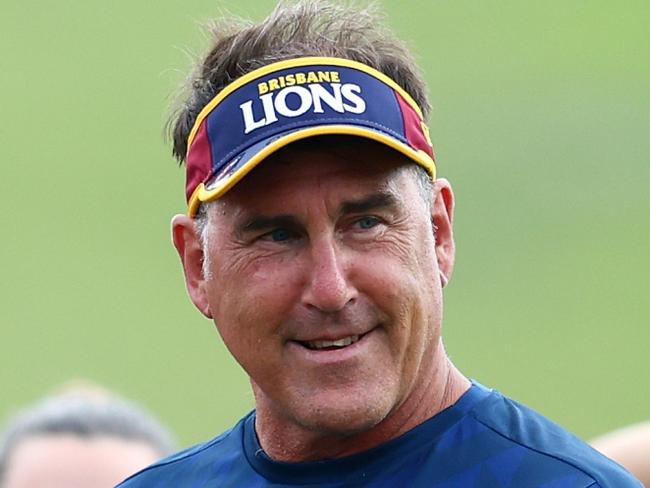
[188, 245]
[442, 215]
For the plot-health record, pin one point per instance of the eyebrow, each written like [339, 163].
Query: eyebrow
[375, 201]
[262, 222]
[371, 202]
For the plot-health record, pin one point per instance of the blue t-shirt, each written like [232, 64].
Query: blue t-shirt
[483, 440]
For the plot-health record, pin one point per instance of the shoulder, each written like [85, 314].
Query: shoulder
[180, 468]
[541, 445]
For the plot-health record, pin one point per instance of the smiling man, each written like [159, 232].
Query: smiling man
[318, 238]
[334, 246]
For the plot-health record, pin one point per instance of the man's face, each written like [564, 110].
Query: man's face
[323, 281]
[67, 461]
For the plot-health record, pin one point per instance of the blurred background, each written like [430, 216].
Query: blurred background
[541, 121]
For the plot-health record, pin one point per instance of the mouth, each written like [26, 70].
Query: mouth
[326, 345]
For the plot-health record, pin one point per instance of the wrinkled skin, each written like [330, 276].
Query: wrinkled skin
[324, 245]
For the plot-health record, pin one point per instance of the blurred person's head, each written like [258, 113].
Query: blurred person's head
[630, 447]
[81, 437]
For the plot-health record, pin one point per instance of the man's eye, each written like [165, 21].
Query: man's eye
[279, 235]
[367, 222]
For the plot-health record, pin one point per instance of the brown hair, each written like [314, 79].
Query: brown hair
[294, 29]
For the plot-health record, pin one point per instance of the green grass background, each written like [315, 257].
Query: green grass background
[541, 122]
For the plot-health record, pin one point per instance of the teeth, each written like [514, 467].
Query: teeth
[346, 341]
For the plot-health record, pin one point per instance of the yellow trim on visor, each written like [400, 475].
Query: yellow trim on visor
[296, 63]
[202, 194]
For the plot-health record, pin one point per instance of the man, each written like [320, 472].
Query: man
[319, 239]
[80, 438]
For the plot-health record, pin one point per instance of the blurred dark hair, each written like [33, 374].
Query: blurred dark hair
[87, 412]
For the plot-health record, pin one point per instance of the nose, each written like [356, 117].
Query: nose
[328, 288]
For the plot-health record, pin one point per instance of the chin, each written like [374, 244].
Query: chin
[344, 416]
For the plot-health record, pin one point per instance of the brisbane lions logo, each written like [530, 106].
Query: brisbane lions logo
[278, 99]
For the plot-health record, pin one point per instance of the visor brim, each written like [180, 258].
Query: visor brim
[246, 161]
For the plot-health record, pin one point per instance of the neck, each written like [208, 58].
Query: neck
[285, 440]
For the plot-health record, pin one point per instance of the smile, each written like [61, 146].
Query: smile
[329, 345]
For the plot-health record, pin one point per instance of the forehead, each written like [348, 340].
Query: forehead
[312, 165]
[65, 460]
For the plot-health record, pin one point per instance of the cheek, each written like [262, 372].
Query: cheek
[249, 303]
[406, 289]
[405, 279]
